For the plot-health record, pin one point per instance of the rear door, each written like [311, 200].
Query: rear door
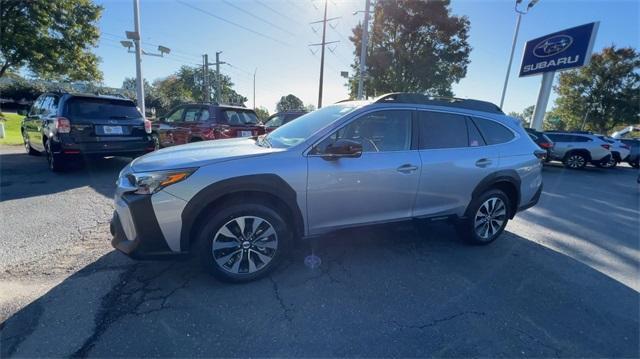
[455, 158]
[95, 119]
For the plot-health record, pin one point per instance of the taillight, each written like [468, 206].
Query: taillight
[542, 155]
[62, 125]
[546, 145]
[606, 147]
[147, 126]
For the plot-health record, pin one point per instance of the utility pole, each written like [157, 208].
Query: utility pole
[322, 44]
[206, 76]
[218, 87]
[136, 41]
[363, 50]
[254, 88]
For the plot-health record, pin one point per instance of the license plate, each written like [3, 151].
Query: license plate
[112, 130]
[245, 134]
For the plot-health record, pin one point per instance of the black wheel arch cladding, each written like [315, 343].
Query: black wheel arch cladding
[269, 184]
[495, 180]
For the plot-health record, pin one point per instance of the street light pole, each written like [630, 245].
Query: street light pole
[363, 50]
[254, 88]
[513, 44]
[136, 41]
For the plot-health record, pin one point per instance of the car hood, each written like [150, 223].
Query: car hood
[199, 154]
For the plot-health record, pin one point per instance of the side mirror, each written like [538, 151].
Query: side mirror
[22, 112]
[343, 148]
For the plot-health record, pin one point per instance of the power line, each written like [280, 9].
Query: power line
[289, 18]
[258, 18]
[232, 23]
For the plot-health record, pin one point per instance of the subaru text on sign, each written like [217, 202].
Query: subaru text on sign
[560, 50]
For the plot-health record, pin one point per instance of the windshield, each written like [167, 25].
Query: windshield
[304, 126]
[97, 108]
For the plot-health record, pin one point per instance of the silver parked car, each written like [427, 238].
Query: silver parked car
[239, 203]
[576, 149]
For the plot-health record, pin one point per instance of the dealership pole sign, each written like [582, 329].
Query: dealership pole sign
[562, 50]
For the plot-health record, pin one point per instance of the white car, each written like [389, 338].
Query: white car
[619, 151]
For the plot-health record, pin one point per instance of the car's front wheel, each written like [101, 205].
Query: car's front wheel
[243, 241]
[487, 217]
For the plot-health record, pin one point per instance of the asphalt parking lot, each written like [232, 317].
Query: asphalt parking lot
[563, 281]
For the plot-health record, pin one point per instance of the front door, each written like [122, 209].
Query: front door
[378, 186]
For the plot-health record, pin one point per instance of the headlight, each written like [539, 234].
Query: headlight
[152, 182]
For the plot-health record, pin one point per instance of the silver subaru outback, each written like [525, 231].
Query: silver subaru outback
[238, 204]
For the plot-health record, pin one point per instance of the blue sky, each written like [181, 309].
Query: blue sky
[276, 43]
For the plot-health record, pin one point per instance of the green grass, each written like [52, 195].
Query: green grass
[12, 134]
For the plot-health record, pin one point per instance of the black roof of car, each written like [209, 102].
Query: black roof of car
[418, 98]
[213, 104]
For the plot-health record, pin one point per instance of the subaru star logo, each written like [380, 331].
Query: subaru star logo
[552, 46]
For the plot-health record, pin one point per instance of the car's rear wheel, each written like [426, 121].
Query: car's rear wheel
[242, 242]
[487, 217]
[635, 164]
[54, 160]
[156, 142]
[27, 146]
[575, 161]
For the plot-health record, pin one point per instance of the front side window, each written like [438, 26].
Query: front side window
[35, 108]
[191, 115]
[176, 116]
[382, 131]
[493, 132]
[443, 130]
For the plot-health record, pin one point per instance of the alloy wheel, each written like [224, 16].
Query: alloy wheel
[244, 245]
[576, 161]
[490, 218]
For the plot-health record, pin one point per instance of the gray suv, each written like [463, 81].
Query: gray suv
[238, 204]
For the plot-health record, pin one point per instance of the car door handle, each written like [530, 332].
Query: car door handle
[407, 168]
[483, 162]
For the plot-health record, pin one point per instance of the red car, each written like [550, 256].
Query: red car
[201, 122]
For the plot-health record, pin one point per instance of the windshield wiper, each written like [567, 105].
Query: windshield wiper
[120, 116]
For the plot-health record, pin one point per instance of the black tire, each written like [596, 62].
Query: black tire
[635, 164]
[575, 161]
[246, 255]
[469, 229]
[610, 163]
[27, 146]
[54, 161]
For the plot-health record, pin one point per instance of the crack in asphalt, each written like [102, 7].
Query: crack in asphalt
[436, 322]
[122, 301]
[276, 291]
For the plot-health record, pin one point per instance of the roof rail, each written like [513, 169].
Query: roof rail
[418, 98]
[570, 131]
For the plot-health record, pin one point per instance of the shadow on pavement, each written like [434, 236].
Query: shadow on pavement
[23, 176]
[380, 291]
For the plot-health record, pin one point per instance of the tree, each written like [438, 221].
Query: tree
[52, 39]
[606, 92]
[262, 113]
[288, 103]
[415, 46]
[525, 116]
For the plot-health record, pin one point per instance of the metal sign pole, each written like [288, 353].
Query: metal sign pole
[543, 99]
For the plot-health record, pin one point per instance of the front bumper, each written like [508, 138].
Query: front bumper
[135, 228]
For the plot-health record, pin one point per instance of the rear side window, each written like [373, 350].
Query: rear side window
[240, 118]
[442, 130]
[475, 138]
[493, 132]
[100, 108]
